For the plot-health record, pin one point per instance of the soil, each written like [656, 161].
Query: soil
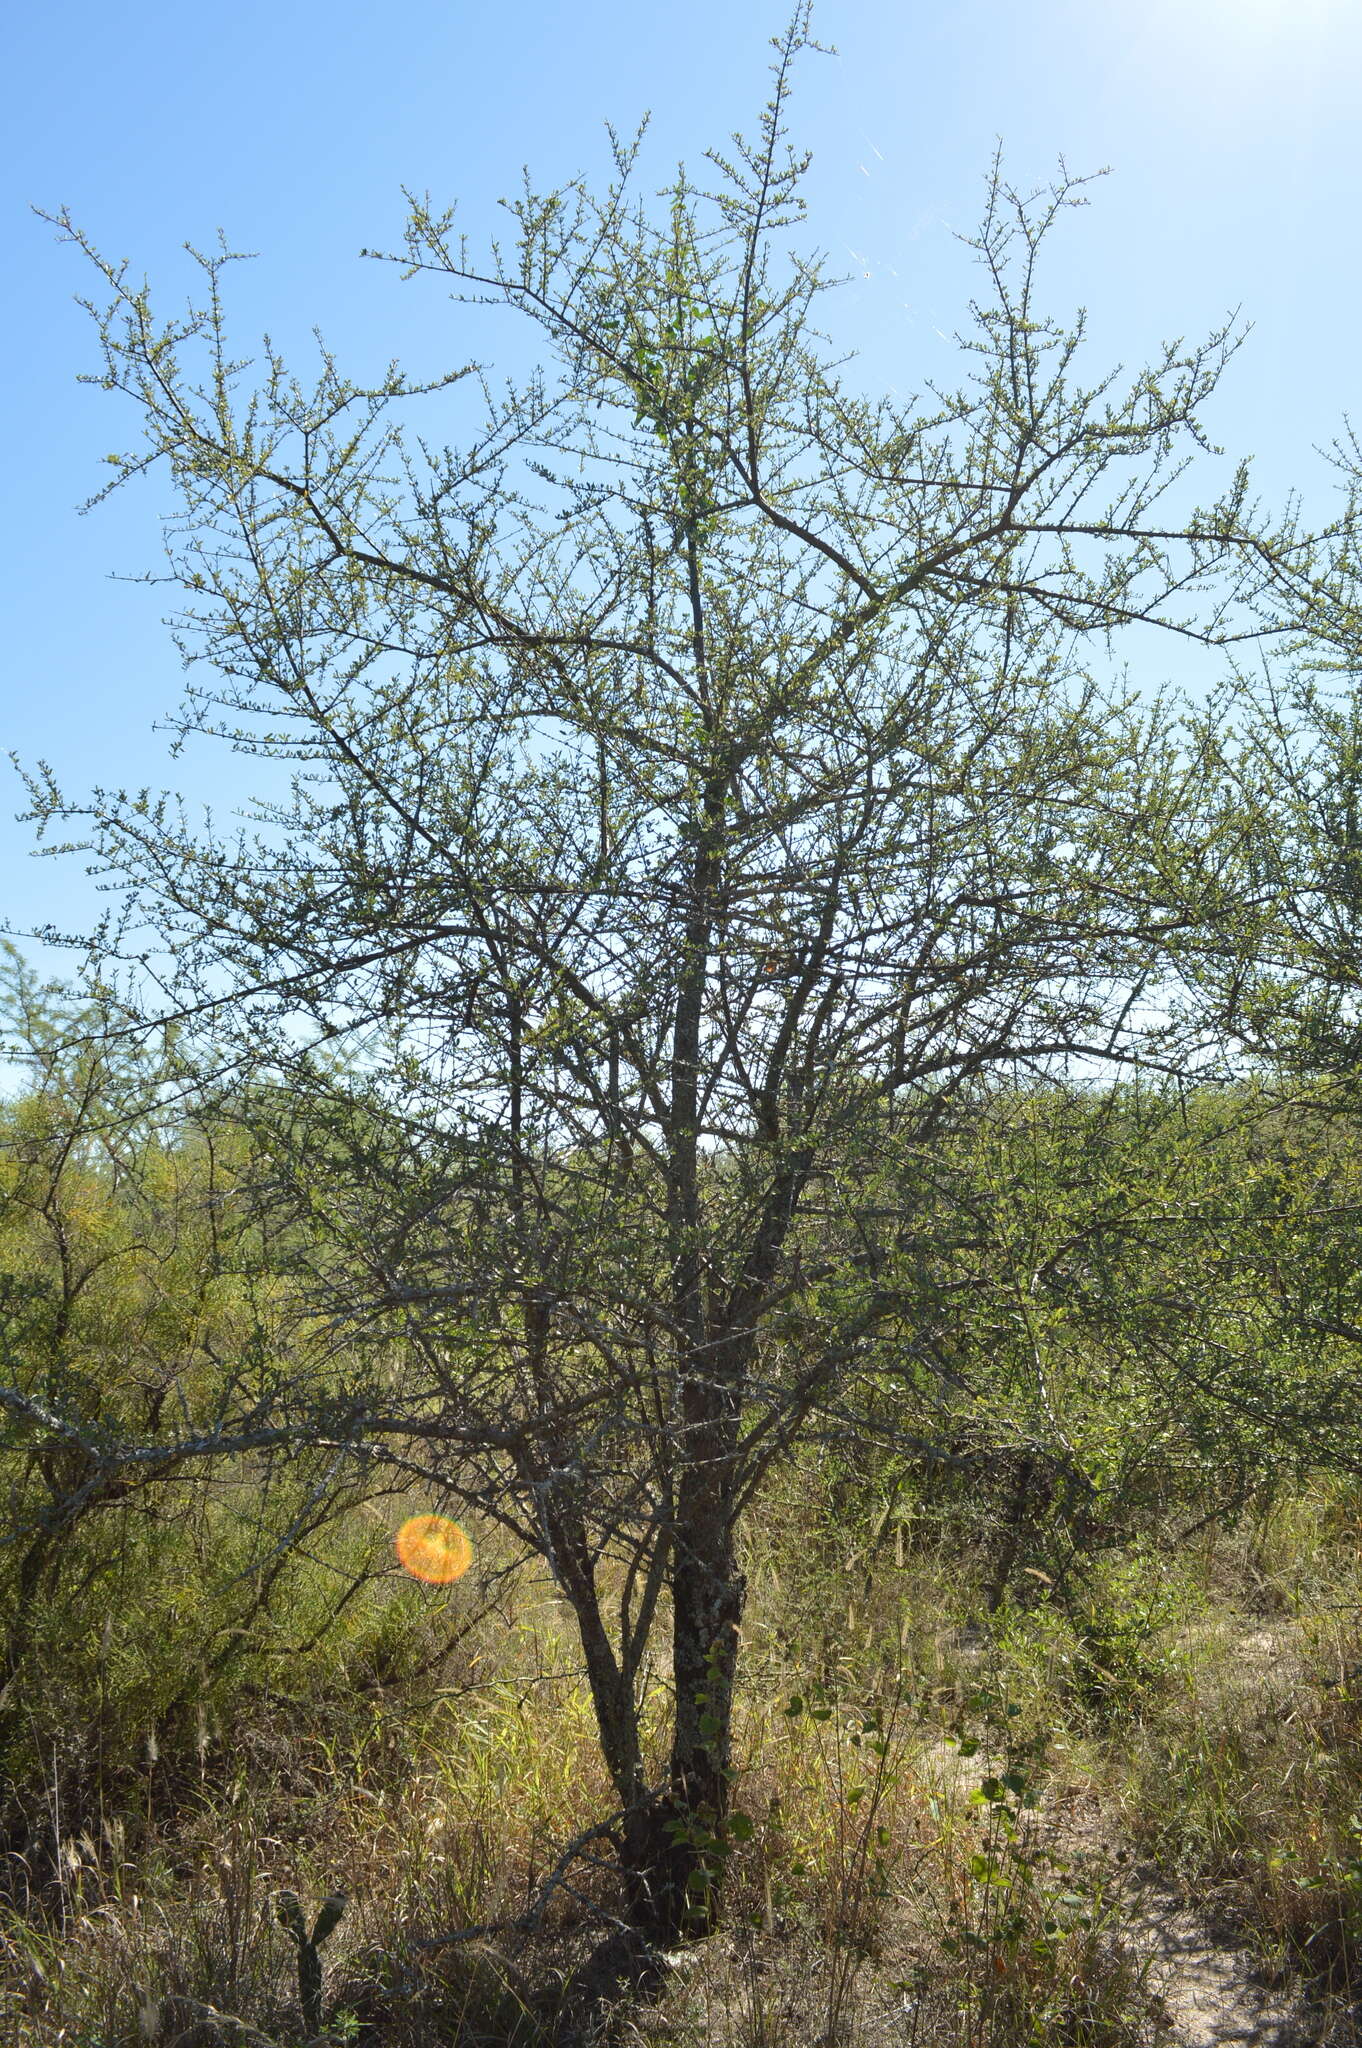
[1207, 1985]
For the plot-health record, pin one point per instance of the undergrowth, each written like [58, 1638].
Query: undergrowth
[891, 1870]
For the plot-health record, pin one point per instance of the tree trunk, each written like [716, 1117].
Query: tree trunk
[677, 1853]
[674, 1847]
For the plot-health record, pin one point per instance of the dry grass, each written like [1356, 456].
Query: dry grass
[886, 1883]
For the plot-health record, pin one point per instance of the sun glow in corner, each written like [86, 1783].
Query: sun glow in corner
[434, 1549]
[1238, 27]
[1256, 13]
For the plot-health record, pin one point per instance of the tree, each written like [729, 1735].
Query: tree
[86, 1186]
[1283, 741]
[139, 1310]
[702, 787]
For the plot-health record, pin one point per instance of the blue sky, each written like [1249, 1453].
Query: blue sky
[1230, 130]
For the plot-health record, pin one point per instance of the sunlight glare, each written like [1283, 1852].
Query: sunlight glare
[434, 1549]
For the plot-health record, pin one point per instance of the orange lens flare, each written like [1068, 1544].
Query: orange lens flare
[433, 1549]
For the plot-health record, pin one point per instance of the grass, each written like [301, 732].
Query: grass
[903, 1735]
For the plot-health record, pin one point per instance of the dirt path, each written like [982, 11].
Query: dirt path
[1206, 1983]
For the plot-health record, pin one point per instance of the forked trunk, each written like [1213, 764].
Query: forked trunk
[675, 1849]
